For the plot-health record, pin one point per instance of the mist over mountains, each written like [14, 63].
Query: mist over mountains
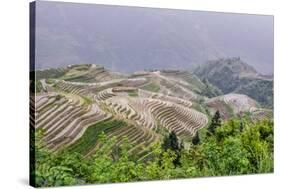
[128, 39]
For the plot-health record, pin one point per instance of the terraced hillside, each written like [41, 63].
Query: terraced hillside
[231, 105]
[74, 105]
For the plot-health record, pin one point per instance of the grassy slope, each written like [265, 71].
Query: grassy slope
[151, 87]
[90, 137]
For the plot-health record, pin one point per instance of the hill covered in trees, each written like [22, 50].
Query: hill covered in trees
[233, 75]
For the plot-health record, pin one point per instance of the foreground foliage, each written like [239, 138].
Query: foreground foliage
[236, 147]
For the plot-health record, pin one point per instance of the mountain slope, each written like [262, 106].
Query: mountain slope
[234, 75]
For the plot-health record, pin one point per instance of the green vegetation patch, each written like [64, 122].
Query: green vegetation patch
[50, 73]
[210, 90]
[49, 81]
[83, 67]
[90, 137]
[235, 147]
[38, 86]
[151, 87]
[87, 100]
[260, 90]
[73, 75]
[133, 94]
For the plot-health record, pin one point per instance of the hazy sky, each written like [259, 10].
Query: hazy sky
[128, 39]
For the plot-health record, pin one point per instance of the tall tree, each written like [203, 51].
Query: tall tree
[241, 127]
[171, 142]
[216, 122]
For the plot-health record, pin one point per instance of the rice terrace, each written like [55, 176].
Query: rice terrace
[94, 123]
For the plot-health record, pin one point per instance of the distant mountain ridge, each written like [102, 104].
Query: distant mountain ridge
[234, 75]
[237, 66]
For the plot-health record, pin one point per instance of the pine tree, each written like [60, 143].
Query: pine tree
[171, 142]
[216, 122]
[241, 127]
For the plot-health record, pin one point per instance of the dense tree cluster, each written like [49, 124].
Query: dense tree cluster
[238, 146]
[210, 90]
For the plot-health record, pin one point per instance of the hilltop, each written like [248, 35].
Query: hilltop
[233, 75]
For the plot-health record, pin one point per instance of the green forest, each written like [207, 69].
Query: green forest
[234, 147]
